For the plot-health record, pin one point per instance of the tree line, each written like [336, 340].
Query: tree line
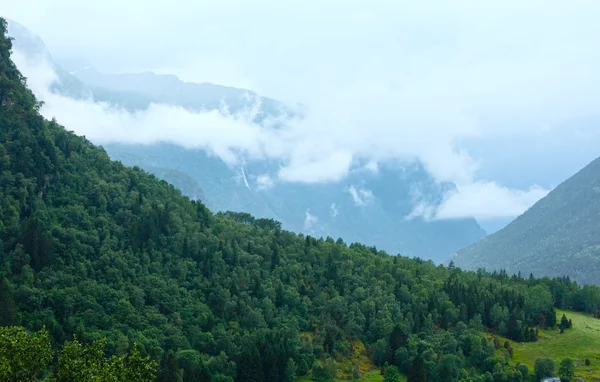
[105, 254]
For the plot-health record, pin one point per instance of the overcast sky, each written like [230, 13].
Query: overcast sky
[500, 97]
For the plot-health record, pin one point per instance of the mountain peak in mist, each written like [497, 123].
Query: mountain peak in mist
[557, 236]
[27, 42]
[368, 206]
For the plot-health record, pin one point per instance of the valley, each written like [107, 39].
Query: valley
[155, 229]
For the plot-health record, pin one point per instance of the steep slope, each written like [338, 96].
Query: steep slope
[91, 248]
[378, 216]
[559, 235]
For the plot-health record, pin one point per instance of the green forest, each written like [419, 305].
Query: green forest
[109, 274]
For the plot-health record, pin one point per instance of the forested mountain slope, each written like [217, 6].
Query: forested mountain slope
[378, 216]
[370, 207]
[91, 248]
[559, 235]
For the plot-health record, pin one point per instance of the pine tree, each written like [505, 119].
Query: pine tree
[421, 370]
[198, 373]
[397, 340]
[290, 371]
[8, 310]
[274, 259]
[250, 365]
[169, 371]
[564, 323]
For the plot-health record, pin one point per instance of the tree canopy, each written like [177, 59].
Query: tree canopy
[130, 268]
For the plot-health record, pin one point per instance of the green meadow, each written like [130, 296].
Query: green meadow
[579, 343]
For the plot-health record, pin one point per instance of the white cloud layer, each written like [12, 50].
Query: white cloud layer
[485, 200]
[334, 211]
[264, 182]
[361, 196]
[381, 80]
[310, 220]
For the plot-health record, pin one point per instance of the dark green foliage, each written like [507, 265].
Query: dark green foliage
[566, 370]
[565, 323]
[524, 370]
[449, 368]
[92, 248]
[398, 339]
[250, 367]
[544, 367]
[391, 374]
[290, 371]
[319, 373]
[8, 310]
[423, 370]
[380, 352]
[169, 369]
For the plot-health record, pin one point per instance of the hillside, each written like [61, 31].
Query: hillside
[378, 220]
[578, 343]
[557, 236]
[319, 210]
[91, 248]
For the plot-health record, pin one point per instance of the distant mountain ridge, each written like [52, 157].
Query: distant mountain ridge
[559, 235]
[169, 89]
[136, 91]
[368, 206]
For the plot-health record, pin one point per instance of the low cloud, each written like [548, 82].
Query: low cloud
[334, 211]
[361, 196]
[264, 182]
[483, 200]
[309, 152]
[310, 221]
[383, 83]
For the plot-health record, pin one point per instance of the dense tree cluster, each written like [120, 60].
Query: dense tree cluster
[25, 357]
[93, 249]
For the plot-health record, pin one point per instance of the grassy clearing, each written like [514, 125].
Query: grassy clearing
[580, 342]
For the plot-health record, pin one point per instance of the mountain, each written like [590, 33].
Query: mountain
[378, 217]
[557, 236]
[371, 207]
[170, 90]
[114, 256]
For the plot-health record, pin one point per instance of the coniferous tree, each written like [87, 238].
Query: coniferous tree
[397, 340]
[250, 367]
[564, 323]
[169, 370]
[290, 371]
[8, 310]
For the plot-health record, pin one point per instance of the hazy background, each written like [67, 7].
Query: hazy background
[501, 98]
